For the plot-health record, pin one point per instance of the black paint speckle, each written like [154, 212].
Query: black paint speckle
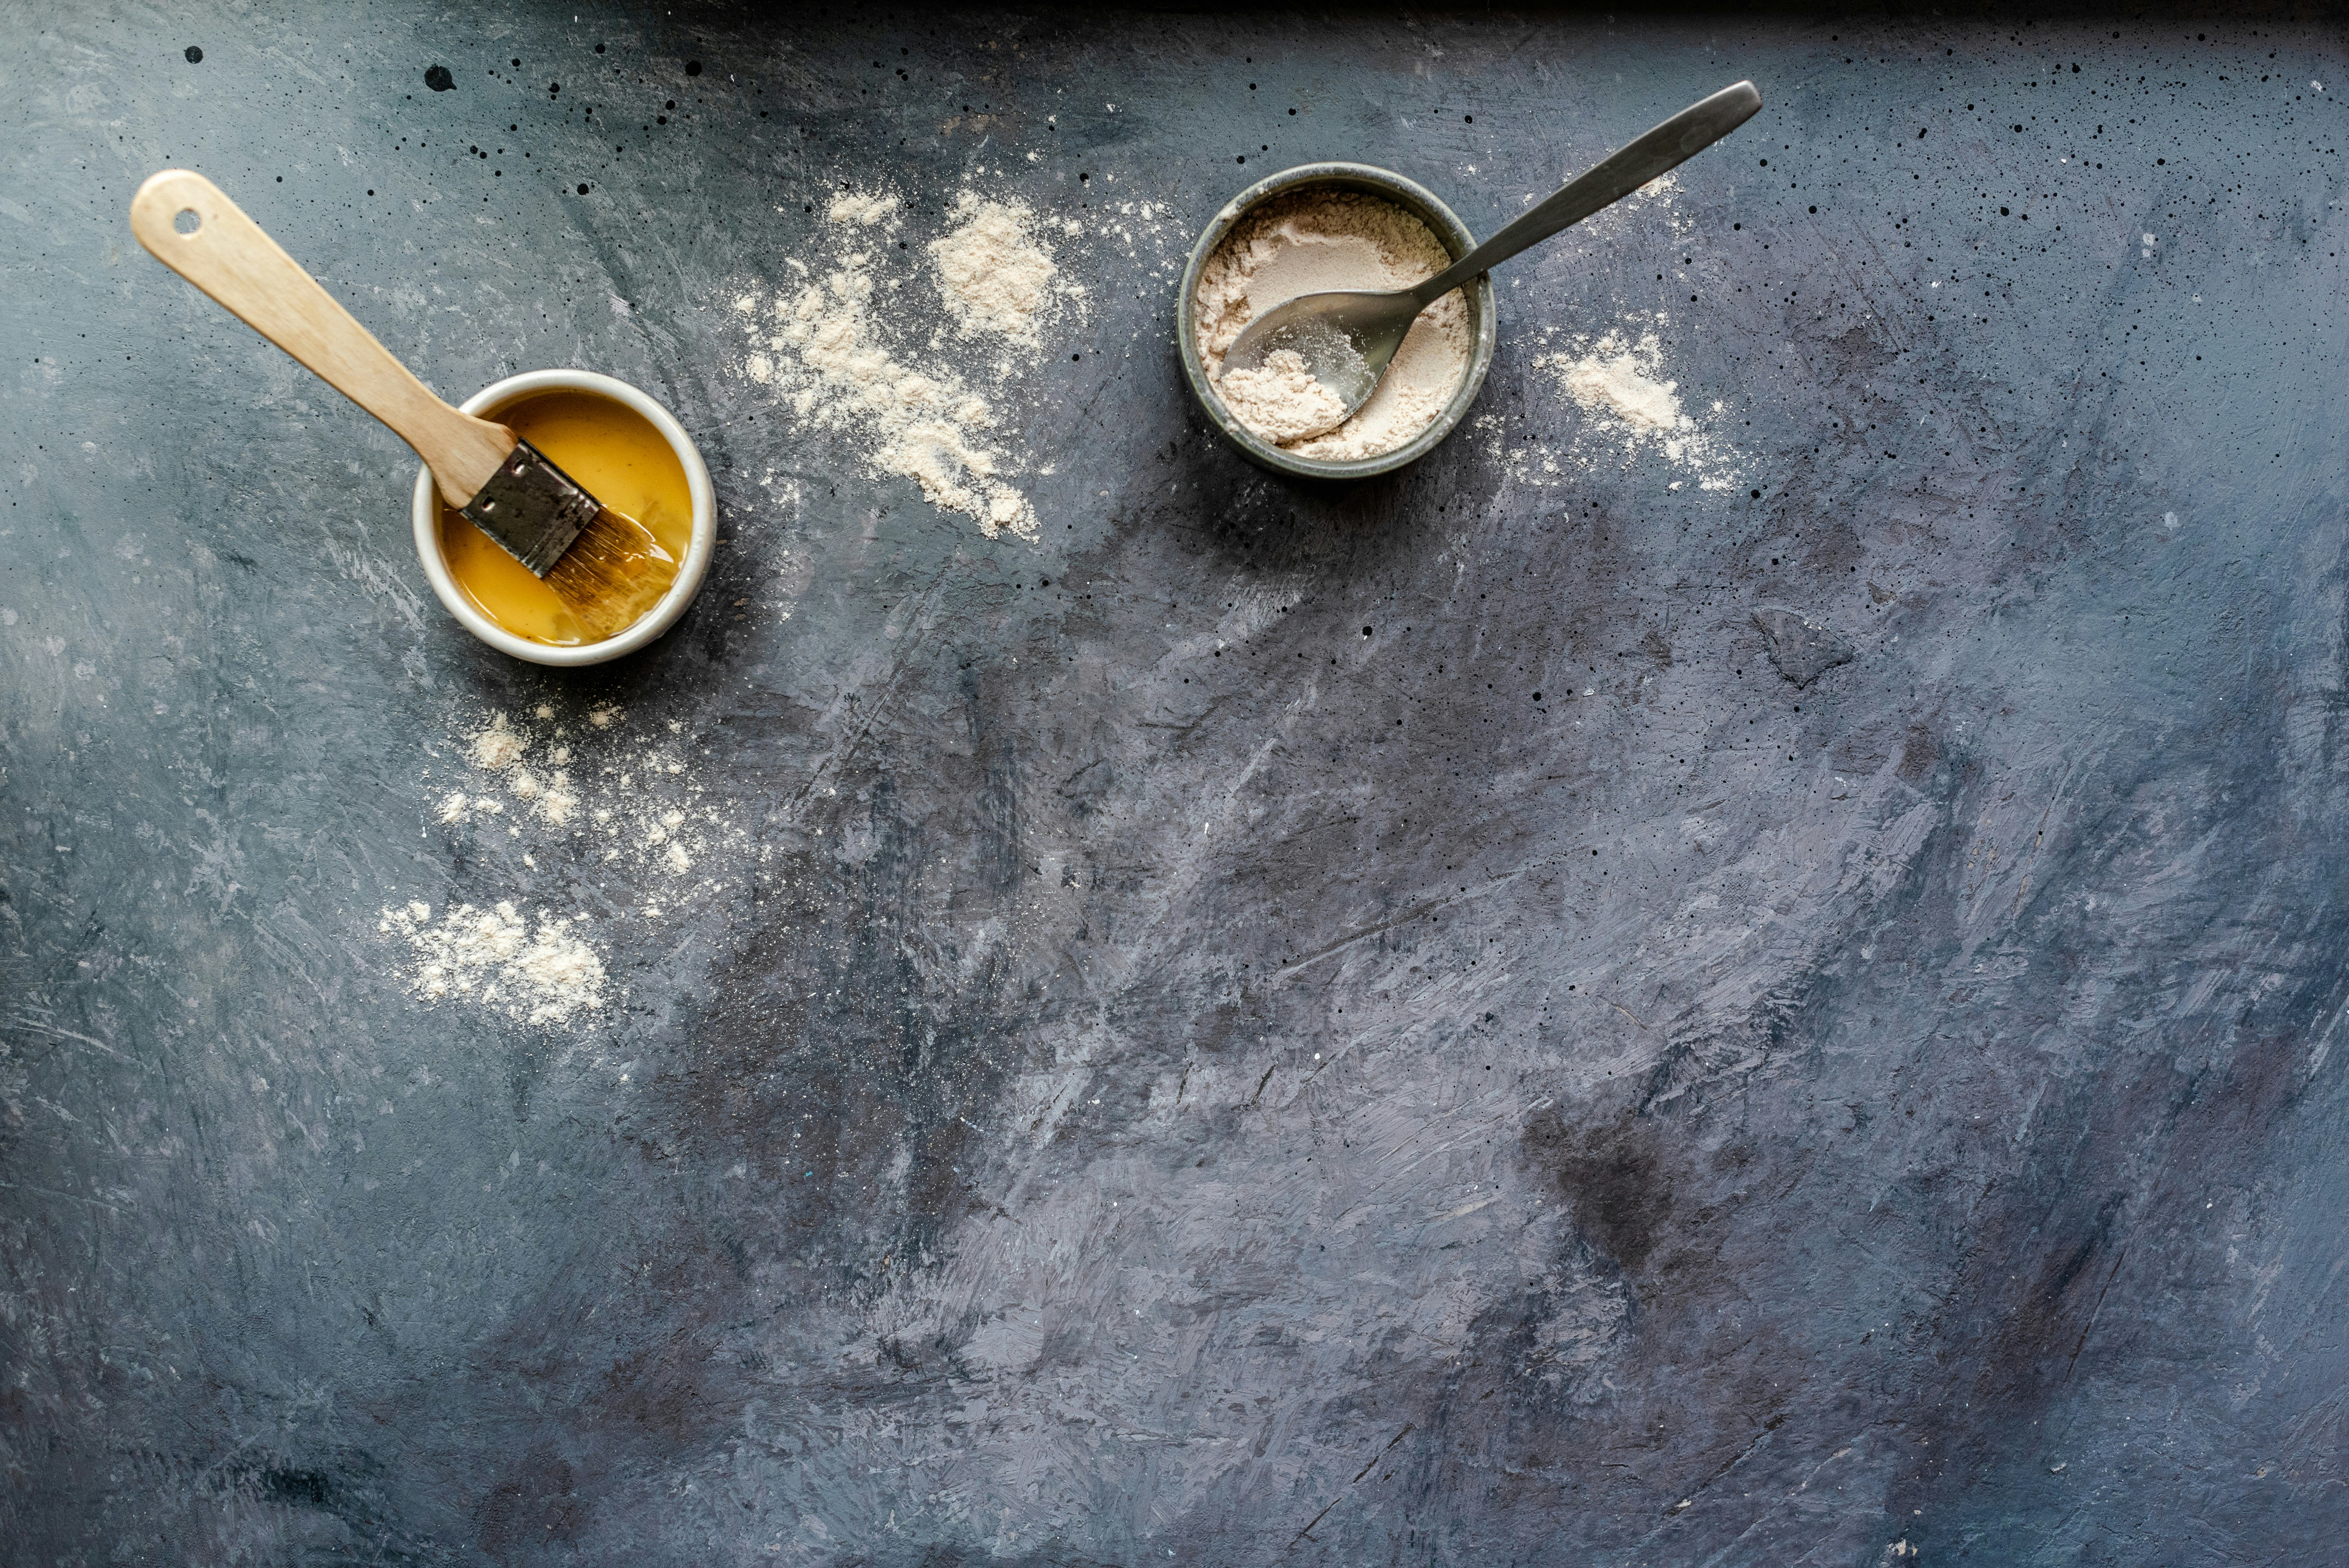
[438, 78]
[196, 55]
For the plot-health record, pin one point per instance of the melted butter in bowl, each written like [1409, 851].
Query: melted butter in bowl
[621, 460]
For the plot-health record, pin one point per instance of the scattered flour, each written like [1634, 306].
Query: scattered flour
[497, 746]
[493, 957]
[847, 350]
[1657, 196]
[637, 806]
[1144, 230]
[624, 820]
[1308, 242]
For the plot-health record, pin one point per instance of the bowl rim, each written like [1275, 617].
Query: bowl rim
[1343, 175]
[424, 511]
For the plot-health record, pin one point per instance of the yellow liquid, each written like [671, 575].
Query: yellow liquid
[617, 455]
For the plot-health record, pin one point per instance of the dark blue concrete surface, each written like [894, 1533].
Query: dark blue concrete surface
[1197, 1064]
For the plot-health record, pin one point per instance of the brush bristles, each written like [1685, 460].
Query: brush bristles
[613, 573]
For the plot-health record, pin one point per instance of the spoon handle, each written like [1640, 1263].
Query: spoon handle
[1689, 132]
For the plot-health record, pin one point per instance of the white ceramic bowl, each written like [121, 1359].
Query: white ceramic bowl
[503, 393]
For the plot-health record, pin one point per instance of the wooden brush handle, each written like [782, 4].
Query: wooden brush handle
[229, 257]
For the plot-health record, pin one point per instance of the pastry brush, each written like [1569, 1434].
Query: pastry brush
[607, 567]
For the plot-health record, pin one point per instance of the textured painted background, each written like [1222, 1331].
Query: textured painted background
[1209, 1069]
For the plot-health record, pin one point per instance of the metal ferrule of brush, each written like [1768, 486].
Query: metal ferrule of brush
[532, 508]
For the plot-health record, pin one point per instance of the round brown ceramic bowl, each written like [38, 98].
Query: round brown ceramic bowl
[1411, 197]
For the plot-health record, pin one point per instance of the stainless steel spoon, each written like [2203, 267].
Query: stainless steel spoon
[1347, 338]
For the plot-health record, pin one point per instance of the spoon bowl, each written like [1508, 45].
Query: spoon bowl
[1347, 338]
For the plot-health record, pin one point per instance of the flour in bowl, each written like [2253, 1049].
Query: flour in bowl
[1313, 242]
[1281, 400]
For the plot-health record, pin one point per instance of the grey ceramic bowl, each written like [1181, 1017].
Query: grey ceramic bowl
[1405, 193]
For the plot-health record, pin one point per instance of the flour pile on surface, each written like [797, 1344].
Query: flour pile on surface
[1631, 408]
[497, 746]
[992, 272]
[845, 345]
[1312, 242]
[864, 210]
[493, 957]
[1608, 379]
[1619, 380]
